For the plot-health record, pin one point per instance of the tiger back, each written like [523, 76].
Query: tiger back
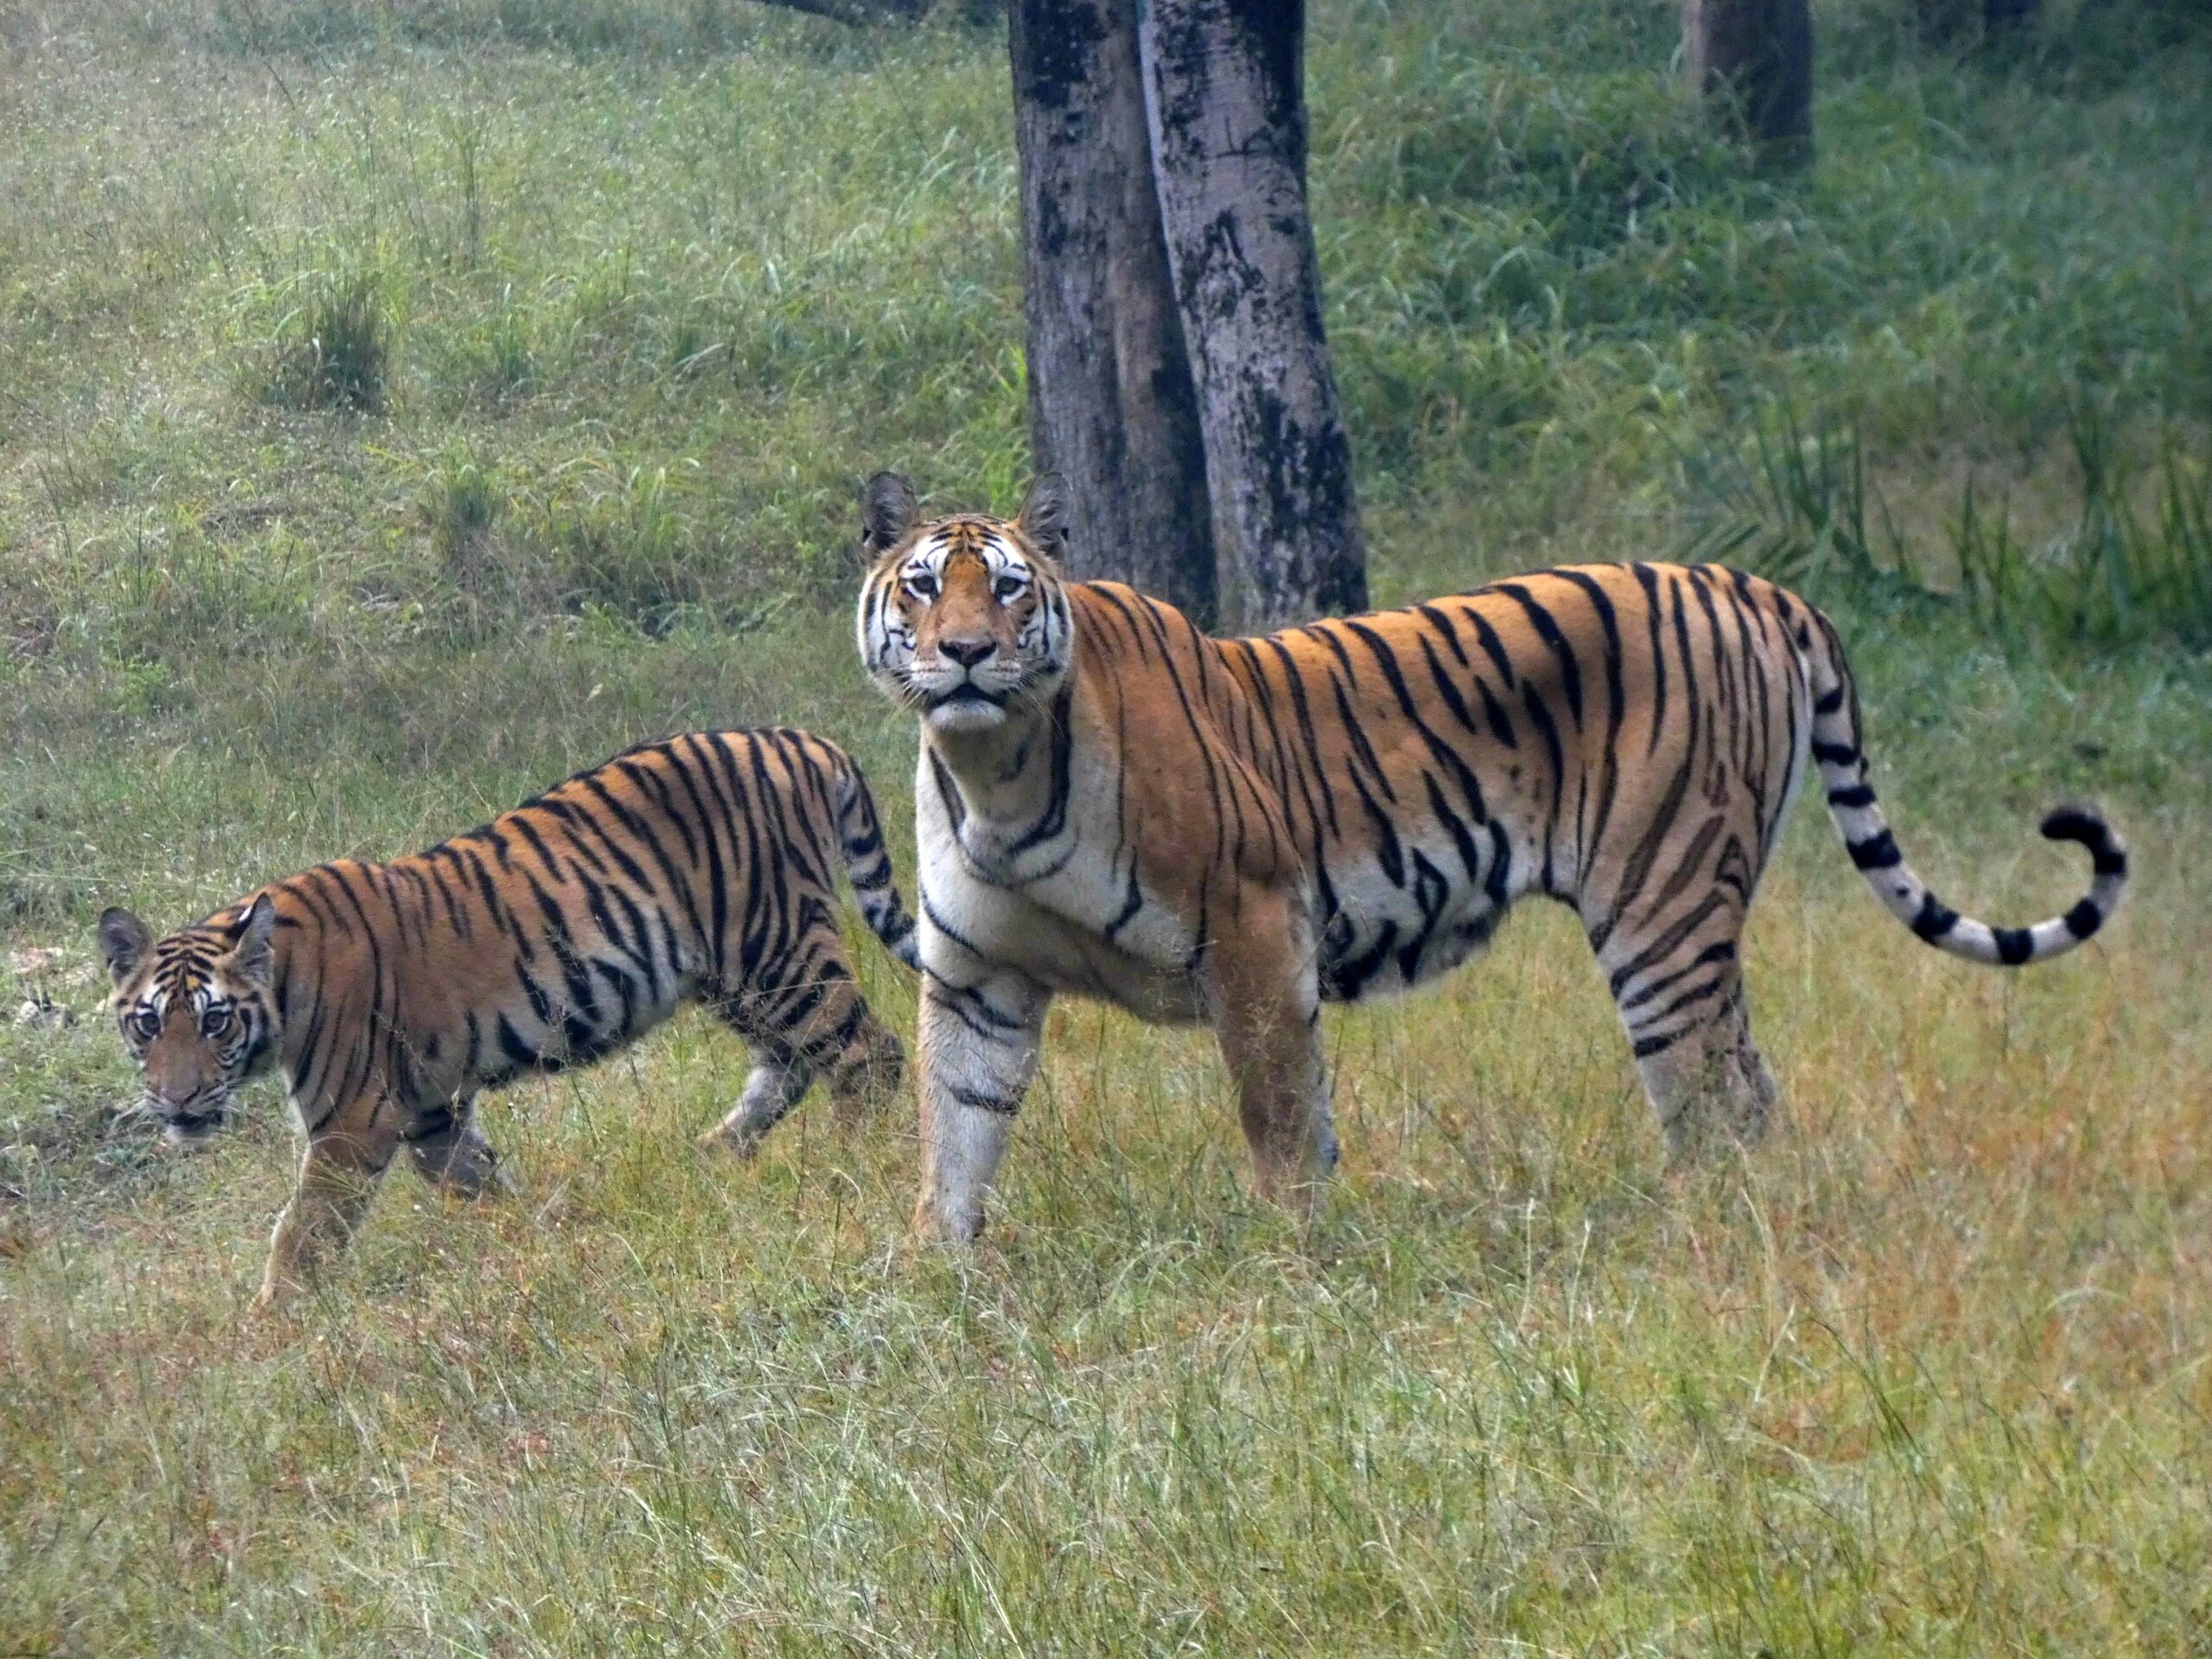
[700, 868]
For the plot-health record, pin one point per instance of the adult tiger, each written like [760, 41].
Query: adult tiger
[1234, 832]
[388, 994]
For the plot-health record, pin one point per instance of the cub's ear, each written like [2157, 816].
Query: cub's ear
[124, 941]
[250, 951]
[1044, 516]
[888, 510]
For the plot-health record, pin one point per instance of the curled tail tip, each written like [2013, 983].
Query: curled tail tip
[2085, 824]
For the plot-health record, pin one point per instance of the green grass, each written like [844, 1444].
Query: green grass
[401, 405]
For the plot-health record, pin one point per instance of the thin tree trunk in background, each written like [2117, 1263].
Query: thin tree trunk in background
[1755, 58]
[1224, 95]
[1111, 404]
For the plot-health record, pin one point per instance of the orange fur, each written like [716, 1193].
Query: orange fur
[1109, 802]
[701, 868]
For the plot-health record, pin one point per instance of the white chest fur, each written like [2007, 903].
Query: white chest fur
[1043, 885]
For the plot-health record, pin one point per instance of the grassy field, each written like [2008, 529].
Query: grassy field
[403, 405]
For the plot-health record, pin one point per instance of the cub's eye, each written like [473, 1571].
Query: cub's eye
[1008, 587]
[146, 1024]
[922, 585]
[216, 1023]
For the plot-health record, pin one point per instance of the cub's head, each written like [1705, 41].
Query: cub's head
[964, 617]
[195, 1010]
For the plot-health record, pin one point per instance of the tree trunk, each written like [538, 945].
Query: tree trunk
[1111, 404]
[1224, 97]
[1755, 58]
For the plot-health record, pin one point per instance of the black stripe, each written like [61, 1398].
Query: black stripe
[1493, 647]
[2014, 946]
[1493, 711]
[1437, 620]
[1721, 951]
[1935, 919]
[1691, 998]
[518, 1052]
[1647, 579]
[1130, 905]
[999, 1105]
[1294, 677]
[1548, 630]
[1549, 731]
[1876, 852]
[1667, 944]
[1054, 818]
[710, 824]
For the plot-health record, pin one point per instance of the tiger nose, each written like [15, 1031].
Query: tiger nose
[967, 652]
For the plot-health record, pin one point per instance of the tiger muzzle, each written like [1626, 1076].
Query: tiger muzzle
[194, 1119]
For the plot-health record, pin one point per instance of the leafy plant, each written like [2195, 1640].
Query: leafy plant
[2123, 572]
[332, 349]
[1797, 508]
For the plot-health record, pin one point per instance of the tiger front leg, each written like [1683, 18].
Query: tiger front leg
[347, 1155]
[1261, 984]
[980, 1046]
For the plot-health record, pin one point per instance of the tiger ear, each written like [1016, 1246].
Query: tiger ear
[888, 510]
[250, 953]
[1044, 516]
[124, 941]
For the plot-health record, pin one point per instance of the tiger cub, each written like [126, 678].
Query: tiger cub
[1232, 832]
[697, 868]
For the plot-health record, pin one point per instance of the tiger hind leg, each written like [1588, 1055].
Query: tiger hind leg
[778, 1081]
[1677, 980]
[866, 1069]
[820, 1028]
[1709, 1085]
[449, 1150]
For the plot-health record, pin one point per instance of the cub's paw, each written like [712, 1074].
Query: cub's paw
[728, 1142]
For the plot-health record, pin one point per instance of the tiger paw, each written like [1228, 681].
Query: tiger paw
[729, 1142]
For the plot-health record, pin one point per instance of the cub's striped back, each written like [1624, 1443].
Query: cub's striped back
[701, 868]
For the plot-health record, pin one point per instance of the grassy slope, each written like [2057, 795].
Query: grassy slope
[1928, 1374]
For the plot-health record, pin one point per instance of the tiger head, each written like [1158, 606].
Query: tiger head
[965, 619]
[195, 1009]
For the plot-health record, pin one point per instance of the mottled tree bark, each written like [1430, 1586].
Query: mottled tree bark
[1225, 96]
[1755, 58]
[1111, 404]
